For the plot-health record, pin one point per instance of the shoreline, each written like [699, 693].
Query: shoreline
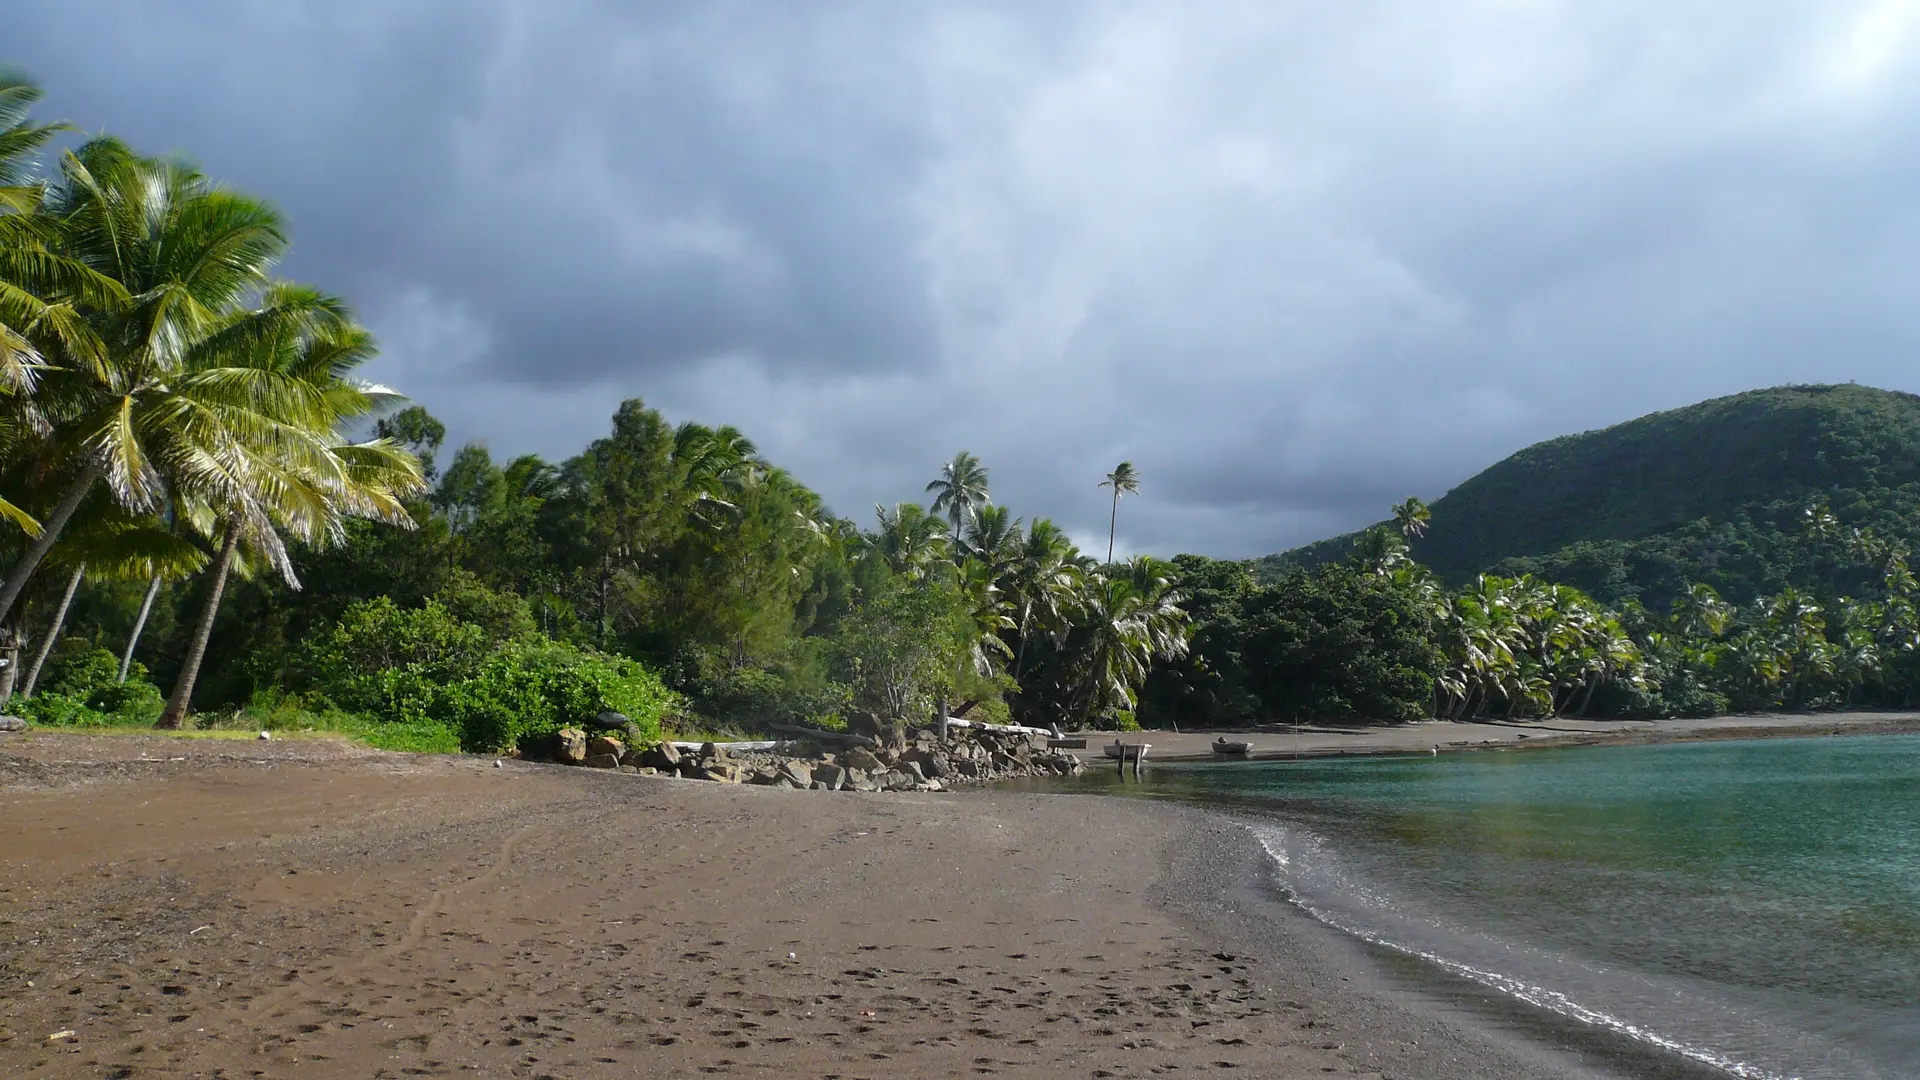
[1452, 737]
[314, 909]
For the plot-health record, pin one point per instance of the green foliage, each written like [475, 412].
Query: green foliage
[904, 645]
[1714, 493]
[84, 691]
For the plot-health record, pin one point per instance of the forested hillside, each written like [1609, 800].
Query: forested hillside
[1716, 492]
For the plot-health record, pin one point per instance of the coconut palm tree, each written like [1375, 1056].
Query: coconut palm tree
[959, 492]
[993, 538]
[1043, 580]
[1412, 517]
[186, 253]
[908, 539]
[1123, 480]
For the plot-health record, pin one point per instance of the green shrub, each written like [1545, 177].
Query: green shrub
[422, 675]
[85, 691]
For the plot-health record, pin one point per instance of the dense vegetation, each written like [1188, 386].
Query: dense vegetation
[1713, 493]
[198, 492]
[193, 470]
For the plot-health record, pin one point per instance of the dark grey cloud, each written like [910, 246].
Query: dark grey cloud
[1294, 260]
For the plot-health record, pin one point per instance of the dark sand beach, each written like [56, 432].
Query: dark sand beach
[310, 908]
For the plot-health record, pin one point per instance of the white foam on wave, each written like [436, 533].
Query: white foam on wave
[1274, 841]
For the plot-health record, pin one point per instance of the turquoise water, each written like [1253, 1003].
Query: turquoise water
[1753, 904]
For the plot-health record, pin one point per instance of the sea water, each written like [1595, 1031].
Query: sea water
[1753, 905]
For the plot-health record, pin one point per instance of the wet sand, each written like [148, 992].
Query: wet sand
[314, 909]
[1311, 740]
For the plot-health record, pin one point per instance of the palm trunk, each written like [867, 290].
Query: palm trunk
[1113, 523]
[1587, 698]
[49, 532]
[1020, 659]
[53, 632]
[139, 624]
[9, 663]
[176, 713]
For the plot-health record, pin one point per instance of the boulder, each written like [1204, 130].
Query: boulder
[829, 776]
[863, 784]
[663, 756]
[897, 780]
[570, 746]
[764, 775]
[798, 772]
[600, 744]
[967, 767]
[912, 768]
[12, 723]
[862, 759]
[937, 767]
[608, 720]
[712, 750]
[601, 761]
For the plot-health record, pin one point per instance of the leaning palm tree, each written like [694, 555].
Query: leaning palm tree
[303, 478]
[960, 492]
[1123, 480]
[186, 254]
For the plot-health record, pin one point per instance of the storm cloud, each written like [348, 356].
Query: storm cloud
[1296, 261]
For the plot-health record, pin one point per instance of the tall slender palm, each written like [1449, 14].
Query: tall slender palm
[1123, 480]
[960, 492]
[187, 254]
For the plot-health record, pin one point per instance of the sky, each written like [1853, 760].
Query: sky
[1294, 260]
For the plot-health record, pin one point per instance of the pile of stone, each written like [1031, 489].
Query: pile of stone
[892, 758]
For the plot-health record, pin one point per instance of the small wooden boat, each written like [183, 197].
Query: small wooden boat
[1113, 748]
[1222, 746]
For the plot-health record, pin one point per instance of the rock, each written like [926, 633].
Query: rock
[712, 750]
[863, 784]
[912, 768]
[887, 756]
[600, 744]
[830, 776]
[862, 759]
[855, 776]
[641, 770]
[570, 746]
[601, 761]
[861, 722]
[897, 780]
[764, 775]
[663, 756]
[12, 723]
[630, 770]
[937, 767]
[609, 720]
[265, 735]
[967, 767]
[797, 772]
[1003, 761]
[784, 781]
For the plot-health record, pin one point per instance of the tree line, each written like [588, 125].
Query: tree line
[199, 492]
[1377, 636]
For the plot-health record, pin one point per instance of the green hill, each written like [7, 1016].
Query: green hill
[1712, 492]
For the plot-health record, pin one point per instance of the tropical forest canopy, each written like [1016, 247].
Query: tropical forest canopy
[208, 516]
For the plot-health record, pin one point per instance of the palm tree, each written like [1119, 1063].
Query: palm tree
[304, 478]
[960, 492]
[1043, 581]
[1123, 480]
[187, 254]
[993, 538]
[1412, 517]
[909, 540]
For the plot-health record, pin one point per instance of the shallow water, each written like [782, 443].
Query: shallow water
[1754, 905]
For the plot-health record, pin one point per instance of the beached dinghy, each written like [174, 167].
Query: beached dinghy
[1222, 746]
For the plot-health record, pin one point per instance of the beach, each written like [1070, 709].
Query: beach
[312, 908]
[1279, 741]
